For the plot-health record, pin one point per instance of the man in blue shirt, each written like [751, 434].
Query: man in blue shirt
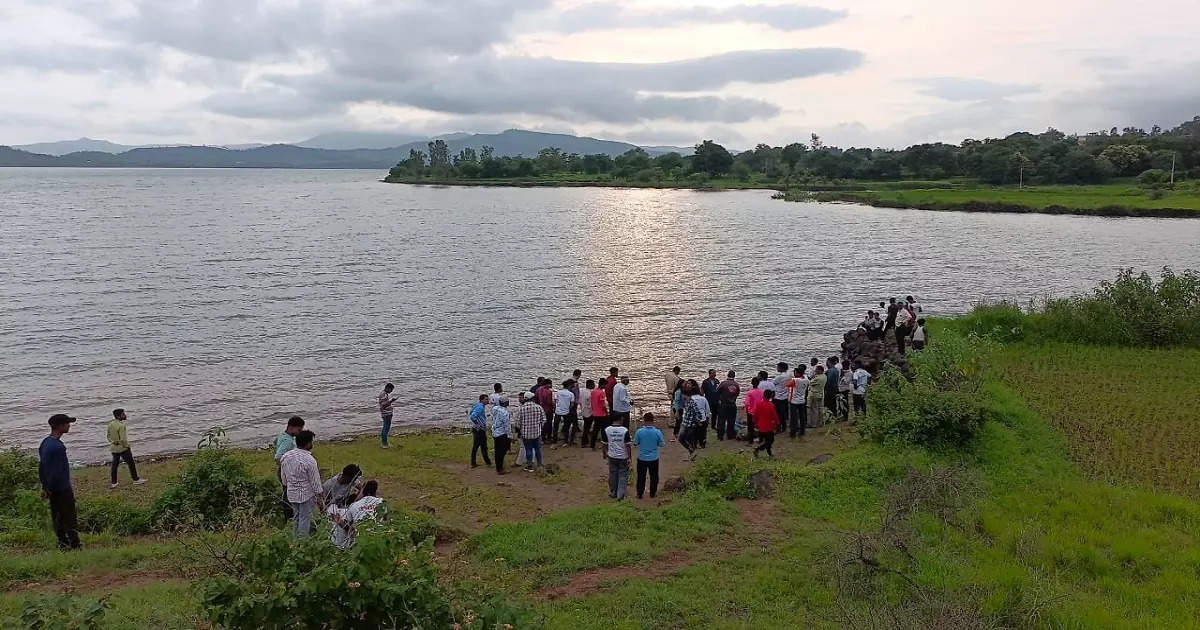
[55, 474]
[648, 440]
[479, 427]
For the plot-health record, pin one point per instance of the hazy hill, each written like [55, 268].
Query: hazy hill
[344, 140]
[508, 143]
[63, 147]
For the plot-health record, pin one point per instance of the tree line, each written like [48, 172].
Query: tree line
[1050, 157]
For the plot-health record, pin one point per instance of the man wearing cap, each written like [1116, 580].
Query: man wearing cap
[55, 474]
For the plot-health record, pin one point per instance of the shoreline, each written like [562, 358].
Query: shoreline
[533, 183]
[993, 206]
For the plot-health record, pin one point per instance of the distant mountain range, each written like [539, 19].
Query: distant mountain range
[331, 150]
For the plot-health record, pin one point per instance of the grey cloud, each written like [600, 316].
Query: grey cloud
[244, 30]
[1105, 62]
[133, 61]
[963, 89]
[607, 15]
[609, 92]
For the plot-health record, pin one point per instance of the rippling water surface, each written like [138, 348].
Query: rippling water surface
[196, 298]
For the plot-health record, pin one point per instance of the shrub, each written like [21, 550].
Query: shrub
[382, 582]
[65, 612]
[941, 407]
[212, 485]
[18, 471]
[111, 514]
[1152, 176]
[729, 476]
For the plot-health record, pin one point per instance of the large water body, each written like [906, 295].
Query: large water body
[195, 298]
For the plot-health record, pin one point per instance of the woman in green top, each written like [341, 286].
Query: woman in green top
[118, 443]
[816, 398]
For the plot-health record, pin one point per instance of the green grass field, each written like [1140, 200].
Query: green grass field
[1077, 510]
[1106, 199]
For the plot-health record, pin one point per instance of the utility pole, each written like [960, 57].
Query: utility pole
[1172, 169]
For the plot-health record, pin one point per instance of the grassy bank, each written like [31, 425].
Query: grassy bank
[1102, 200]
[1066, 500]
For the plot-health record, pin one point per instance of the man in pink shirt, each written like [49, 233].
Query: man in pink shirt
[753, 398]
[599, 411]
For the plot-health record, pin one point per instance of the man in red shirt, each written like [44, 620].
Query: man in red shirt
[613, 379]
[766, 420]
[599, 411]
[545, 400]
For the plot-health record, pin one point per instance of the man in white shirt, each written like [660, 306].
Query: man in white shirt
[861, 379]
[622, 401]
[701, 435]
[564, 411]
[782, 380]
[811, 370]
[345, 520]
[303, 482]
[616, 440]
[797, 418]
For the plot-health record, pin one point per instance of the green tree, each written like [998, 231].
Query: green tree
[712, 159]
[630, 162]
[439, 154]
[669, 161]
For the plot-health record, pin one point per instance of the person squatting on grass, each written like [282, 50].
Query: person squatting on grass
[118, 444]
[345, 519]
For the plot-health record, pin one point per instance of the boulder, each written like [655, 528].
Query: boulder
[873, 353]
[820, 459]
[675, 484]
[761, 484]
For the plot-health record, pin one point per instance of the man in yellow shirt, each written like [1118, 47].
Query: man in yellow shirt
[118, 443]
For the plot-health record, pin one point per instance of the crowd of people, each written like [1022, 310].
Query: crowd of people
[580, 412]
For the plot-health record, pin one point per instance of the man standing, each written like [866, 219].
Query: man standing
[766, 421]
[564, 411]
[701, 431]
[709, 387]
[753, 398]
[811, 370]
[118, 445]
[610, 385]
[689, 425]
[599, 412]
[904, 319]
[672, 379]
[55, 474]
[497, 394]
[622, 402]
[501, 432]
[816, 399]
[479, 430]
[545, 399]
[648, 440]
[832, 376]
[284, 443]
[861, 378]
[782, 379]
[796, 411]
[727, 395]
[530, 420]
[386, 400]
[303, 482]
[892, 309]
[616, 441]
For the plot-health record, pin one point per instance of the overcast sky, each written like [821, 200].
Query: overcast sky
[862, 72]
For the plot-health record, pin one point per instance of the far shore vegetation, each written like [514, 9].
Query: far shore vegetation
[1127, 171]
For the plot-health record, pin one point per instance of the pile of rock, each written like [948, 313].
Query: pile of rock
[857, 346]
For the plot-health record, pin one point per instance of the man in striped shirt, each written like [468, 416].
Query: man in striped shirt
[385, 412]
[530, 419]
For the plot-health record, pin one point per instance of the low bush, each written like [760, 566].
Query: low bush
[1132, 310]
[382, 582]
[63, 612]
[18, 471]
[212, 486]
[941, 406]
[111, 514]
[726, 475]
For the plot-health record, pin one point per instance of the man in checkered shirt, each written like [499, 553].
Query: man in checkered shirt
[530, 418]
